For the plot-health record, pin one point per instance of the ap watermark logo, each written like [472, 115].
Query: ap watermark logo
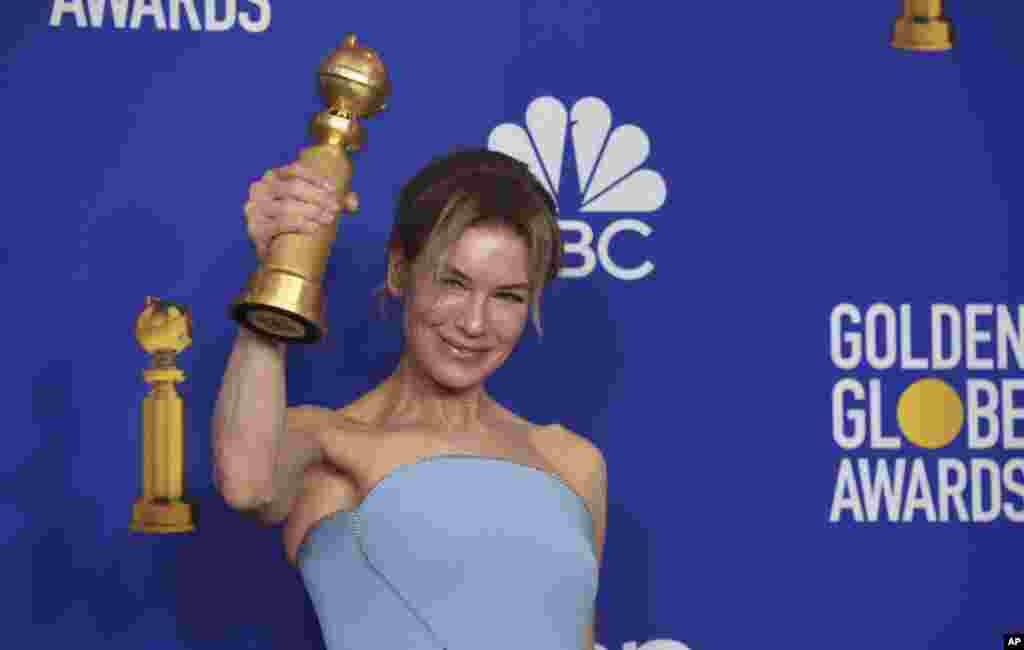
[609, 169]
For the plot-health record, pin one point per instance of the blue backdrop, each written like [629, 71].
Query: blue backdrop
[794, 163]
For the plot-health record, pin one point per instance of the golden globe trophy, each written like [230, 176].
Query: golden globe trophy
[163, 329]
[923, 27]
[284, 297]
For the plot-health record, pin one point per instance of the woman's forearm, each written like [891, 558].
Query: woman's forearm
[249, 422]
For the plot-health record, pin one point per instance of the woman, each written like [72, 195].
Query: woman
[425, 514]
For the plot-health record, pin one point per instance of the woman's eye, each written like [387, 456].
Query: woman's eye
[512, 297]
[452, 282]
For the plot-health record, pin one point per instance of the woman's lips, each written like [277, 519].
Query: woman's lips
[461, 352]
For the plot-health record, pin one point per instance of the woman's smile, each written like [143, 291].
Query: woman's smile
[462, 352]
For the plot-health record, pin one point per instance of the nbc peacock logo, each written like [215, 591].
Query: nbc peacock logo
[609, 168]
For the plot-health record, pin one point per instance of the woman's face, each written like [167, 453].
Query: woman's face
[460, 329]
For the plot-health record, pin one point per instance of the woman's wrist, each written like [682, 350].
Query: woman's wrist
[245, 332]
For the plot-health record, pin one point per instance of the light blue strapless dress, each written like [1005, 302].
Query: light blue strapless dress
[455, 552]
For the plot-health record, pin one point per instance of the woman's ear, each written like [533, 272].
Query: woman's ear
[396, 274]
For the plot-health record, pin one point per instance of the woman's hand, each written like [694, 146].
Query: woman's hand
[293, 198]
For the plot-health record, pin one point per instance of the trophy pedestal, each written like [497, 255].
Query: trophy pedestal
[162, 516]
[281, 305]
[923, 34]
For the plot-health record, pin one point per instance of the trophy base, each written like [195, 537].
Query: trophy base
[923, 34]
[281, 305]
[162, 516]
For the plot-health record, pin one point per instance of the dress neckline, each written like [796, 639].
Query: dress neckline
[402, 467]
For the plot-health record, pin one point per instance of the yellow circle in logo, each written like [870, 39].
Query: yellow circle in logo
[930, 413]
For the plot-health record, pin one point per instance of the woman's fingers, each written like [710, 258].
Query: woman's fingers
[302, 183]
[294, 198]
[296, 216]
[306, 172]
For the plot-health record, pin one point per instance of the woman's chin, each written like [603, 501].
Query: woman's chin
[456, 384]
[457, 379]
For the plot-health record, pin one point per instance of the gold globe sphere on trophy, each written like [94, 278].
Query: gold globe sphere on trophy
[164, 330]
[923, 27]
[284, 297]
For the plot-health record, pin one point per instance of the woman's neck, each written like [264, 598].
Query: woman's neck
[413, 397]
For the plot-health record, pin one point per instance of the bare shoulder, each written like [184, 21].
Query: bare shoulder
[576, 453]
[583, 466]
[571, 455]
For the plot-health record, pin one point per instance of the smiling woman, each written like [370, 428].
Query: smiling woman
[425, 514]
[482, 188]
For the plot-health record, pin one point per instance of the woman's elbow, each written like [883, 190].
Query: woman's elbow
[240, 497]
[239, 483]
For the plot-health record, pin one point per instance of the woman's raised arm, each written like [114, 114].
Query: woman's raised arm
[260, 446]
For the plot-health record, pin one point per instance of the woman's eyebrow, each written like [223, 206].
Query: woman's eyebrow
[462, 276]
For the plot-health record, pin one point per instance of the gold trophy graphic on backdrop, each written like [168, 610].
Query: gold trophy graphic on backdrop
[284, 297]
[163, 329]
[923, 27]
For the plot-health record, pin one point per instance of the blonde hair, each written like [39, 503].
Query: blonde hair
[471, 188]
